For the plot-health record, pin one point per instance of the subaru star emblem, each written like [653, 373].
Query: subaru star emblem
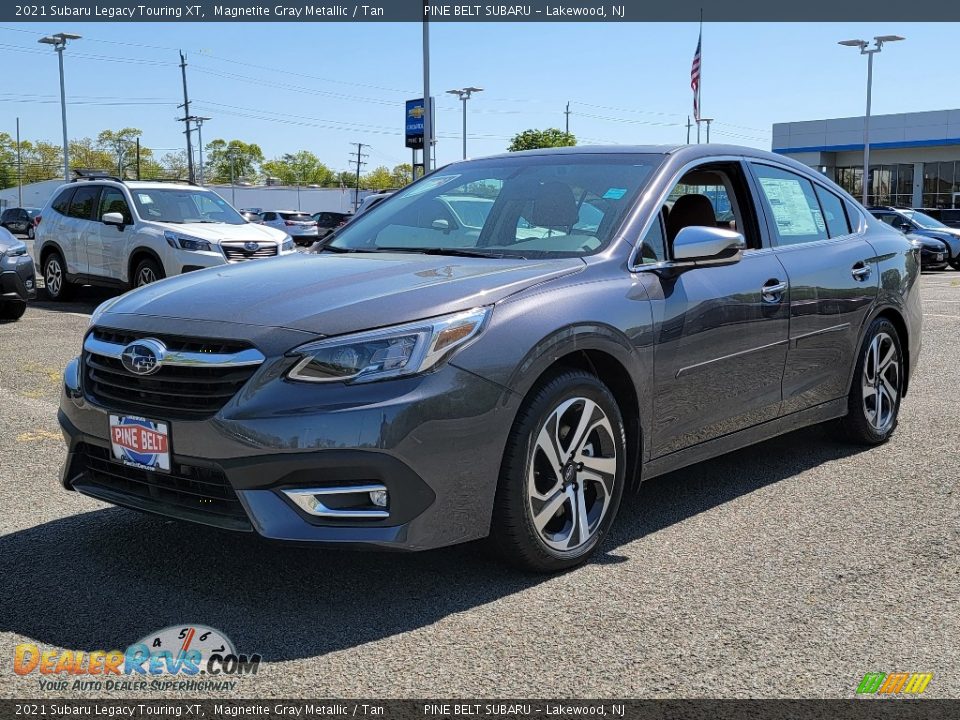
[251, 246]
[143, 357]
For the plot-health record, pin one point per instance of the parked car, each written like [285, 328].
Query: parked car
[328, 221]
[128, 234]
[299, 225]
[416, 385]
[251, 217]
[948, 216]
[370, 201]
[917, 223]
[19, 220]
[17, 276]
[934, 254]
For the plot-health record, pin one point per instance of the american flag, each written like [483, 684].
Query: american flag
[695, 79]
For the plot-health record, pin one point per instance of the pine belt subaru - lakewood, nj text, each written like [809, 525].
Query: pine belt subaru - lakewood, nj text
[101, 231]
[608, 315]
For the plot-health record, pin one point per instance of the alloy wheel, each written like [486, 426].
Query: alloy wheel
[571, 474]
[881, 382]
[146, 276]
[53, 277]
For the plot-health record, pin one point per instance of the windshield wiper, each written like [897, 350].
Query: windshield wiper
[455, 252]
[336, 249]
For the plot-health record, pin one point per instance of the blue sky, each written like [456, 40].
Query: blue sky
[320, 87]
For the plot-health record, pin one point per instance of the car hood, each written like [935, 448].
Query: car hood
[216, 232]
[928, 241]
[330, 294]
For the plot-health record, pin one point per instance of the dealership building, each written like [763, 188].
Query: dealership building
[914, 157]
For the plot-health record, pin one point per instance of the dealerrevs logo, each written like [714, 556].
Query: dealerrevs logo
[174, 658]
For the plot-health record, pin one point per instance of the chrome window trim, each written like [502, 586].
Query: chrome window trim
[250, 356]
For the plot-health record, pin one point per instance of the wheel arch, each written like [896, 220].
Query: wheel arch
[139, 255]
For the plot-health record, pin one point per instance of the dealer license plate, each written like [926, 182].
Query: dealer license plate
[140, 442]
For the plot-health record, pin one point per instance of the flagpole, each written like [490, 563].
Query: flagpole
[700, 82]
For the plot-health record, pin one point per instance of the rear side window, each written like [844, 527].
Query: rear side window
[62, 203]
[299, 217]
[833, 213]
[83, 202]
[793, 204]
[269, 216]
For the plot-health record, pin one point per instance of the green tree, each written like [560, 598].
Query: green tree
[402, 175]
[379, 178]
[533, 139]
[85, 154]
[41, 161]
[244, 158]
[8, 161]
[122, 146]
[173, 165]
[302, 167]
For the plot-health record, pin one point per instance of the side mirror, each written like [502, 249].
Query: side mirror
[441, 224]
[698, 245]
[113, 218]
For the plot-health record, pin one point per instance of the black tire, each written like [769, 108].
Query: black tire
[146, 269]
[12, 309]
[513, 531]
[858, 426]
[55, 283]
[955, 263]
[30, 232]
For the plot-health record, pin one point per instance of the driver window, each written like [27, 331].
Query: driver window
[712, 195]
[112, 201]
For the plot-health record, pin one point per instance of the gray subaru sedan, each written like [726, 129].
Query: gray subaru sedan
[500, 349]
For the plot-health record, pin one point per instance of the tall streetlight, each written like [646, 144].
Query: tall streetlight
[464, 95]
[865, 49]
[198, 121]
[59, 42]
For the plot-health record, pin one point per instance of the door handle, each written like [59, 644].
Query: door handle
[860, 271]
[773, 290]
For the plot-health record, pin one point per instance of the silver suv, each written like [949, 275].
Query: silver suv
[128, 234]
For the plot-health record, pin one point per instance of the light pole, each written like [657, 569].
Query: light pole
[879, 40]
[59, 42]
[199, 123]
[464, 95]
[707, 122]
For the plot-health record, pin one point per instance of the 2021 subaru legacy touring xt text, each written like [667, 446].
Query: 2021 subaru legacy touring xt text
[609, 315]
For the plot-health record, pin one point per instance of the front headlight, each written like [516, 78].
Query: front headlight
[16, 250]
[185, 242]
[391, 352]
[288, 245]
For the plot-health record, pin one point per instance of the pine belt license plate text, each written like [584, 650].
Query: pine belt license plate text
[140, 442]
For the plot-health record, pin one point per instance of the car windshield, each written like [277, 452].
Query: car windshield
[923, 220]
[180, 205]
[297, 216]
[528, 206]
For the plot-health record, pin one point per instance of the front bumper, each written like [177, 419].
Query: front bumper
[17, 278]
[934, 259]
[435, 443]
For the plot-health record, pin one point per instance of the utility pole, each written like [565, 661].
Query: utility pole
[59, 42]
[138, 158]
[567, 113]
[688, 129]
[359, 163]
[186, 117]
[427, 105]
[19, 169]
[199, 120]
[233, 187]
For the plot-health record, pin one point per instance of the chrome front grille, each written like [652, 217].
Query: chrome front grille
[237, 251]
[196, 378]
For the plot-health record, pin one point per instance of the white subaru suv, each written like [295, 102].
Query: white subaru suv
[98, 231]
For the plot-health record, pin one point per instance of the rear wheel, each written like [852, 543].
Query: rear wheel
[148, 271]
[55, 281]
[12, 309]
[562, 475]
[874, 400]
[30, 231]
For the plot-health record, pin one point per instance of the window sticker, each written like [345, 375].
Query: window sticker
[614, 194]
[790, 207]
[428, 185]
[144, 198]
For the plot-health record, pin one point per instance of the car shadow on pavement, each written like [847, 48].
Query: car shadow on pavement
[104, 579]
[83, 300]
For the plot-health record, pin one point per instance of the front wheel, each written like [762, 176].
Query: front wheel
[12, 309]
[55, 281]
[562, 475]
[30, 233]
[955, 263]
[874, 400]
[148, 271]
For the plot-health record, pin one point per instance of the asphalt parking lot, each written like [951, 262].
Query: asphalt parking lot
[785, 570]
